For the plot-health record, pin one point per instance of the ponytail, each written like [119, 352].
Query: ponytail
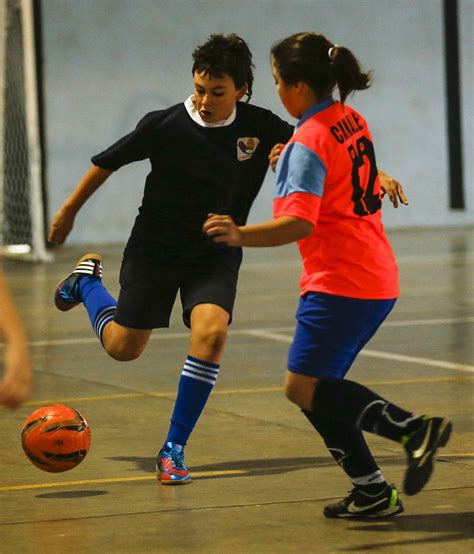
[312, 58]
[347, 71]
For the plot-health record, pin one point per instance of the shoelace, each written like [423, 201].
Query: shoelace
[178, 459]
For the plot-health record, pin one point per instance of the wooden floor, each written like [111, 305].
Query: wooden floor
[261, 474]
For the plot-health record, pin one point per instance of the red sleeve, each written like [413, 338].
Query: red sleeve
[302, 205]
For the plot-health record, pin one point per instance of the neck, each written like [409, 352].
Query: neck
[307, 102]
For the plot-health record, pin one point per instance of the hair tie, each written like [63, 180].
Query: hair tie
[332, 52]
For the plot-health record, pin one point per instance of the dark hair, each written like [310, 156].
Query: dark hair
[225, 54]
[312, 58]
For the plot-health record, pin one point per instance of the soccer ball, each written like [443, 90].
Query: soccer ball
[55, 438]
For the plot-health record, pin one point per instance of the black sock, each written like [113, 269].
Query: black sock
[377, 488]
[353, 404]
[347, 446]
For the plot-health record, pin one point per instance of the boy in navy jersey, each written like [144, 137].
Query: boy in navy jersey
[208, 154]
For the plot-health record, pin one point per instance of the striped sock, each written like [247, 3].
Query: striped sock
[99, 303]
[375, 478]
[195, 385]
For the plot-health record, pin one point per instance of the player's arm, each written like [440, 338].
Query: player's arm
[63, 221]
[15, 385]
[389, 186]
[276, 232]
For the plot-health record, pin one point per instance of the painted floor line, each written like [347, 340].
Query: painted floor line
[34, 486]
[237, 332]
[152, 477]
[224, 392]
[279, 337]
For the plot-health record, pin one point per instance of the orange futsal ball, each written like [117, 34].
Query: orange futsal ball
[55, 438]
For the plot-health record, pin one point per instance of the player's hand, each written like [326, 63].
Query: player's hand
[16, 385]
[61, 226]
[393, 189]
[222, 229]
[275, 154]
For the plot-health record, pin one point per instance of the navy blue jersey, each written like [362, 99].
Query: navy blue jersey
[195, 170]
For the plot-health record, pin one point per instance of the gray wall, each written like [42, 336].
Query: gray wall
[108, 62]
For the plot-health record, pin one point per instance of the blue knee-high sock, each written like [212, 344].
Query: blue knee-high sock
[99, 303]
[195, 385]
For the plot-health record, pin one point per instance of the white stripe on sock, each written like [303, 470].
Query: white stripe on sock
[201, 373]
[198, 378]
[204, 371]
[202, 366]
[104, 317]
[371, 479]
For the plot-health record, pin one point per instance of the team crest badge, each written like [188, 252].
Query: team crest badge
[246, 146]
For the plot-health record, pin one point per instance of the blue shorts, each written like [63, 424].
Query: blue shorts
[331, 331]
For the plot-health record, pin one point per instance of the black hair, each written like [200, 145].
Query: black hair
[225, 55]
[312, 58]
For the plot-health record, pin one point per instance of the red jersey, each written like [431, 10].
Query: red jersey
[327, 175]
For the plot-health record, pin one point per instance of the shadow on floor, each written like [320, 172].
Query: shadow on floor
[249, 468]
[447, 526]
[71, 494]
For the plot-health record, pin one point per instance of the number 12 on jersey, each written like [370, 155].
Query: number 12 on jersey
[365, 201]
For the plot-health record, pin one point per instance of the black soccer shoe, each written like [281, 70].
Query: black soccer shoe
[67, 293]
[421, 447]
[359, 504]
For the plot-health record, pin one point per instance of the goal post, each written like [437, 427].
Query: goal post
[22, 225]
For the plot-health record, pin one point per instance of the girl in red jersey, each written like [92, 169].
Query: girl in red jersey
[328, 199]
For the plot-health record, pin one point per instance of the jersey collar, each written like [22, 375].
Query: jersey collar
[314, 110]
[194, 115]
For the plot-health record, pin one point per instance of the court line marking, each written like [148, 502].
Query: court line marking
[279, 337]
[196, 474]
[236, 332]
[224, 392]
[114, 480]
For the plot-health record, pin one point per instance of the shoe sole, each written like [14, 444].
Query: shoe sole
[420, 480]
[379, 515]
[171, 482]
[59, 301]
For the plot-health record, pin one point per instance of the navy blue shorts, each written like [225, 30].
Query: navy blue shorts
[331, 331]
[148, 290]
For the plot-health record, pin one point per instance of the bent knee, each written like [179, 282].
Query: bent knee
[293, 393]
[123, 353]
[300, 391]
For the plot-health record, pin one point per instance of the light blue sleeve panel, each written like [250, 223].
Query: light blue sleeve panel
[299, 169]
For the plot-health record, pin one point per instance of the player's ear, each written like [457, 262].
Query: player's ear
[299, 86]
[242, 91]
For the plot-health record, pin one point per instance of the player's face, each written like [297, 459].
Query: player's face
[287, 94]
[215, 97]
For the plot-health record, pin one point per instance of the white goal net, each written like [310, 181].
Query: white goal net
[21, 195]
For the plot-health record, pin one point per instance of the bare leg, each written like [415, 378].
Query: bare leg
[209, 324]
[299, 389]
[124, 343]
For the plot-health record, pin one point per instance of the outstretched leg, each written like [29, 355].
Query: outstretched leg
[371, 495]
[84, 285]
[352, 404]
